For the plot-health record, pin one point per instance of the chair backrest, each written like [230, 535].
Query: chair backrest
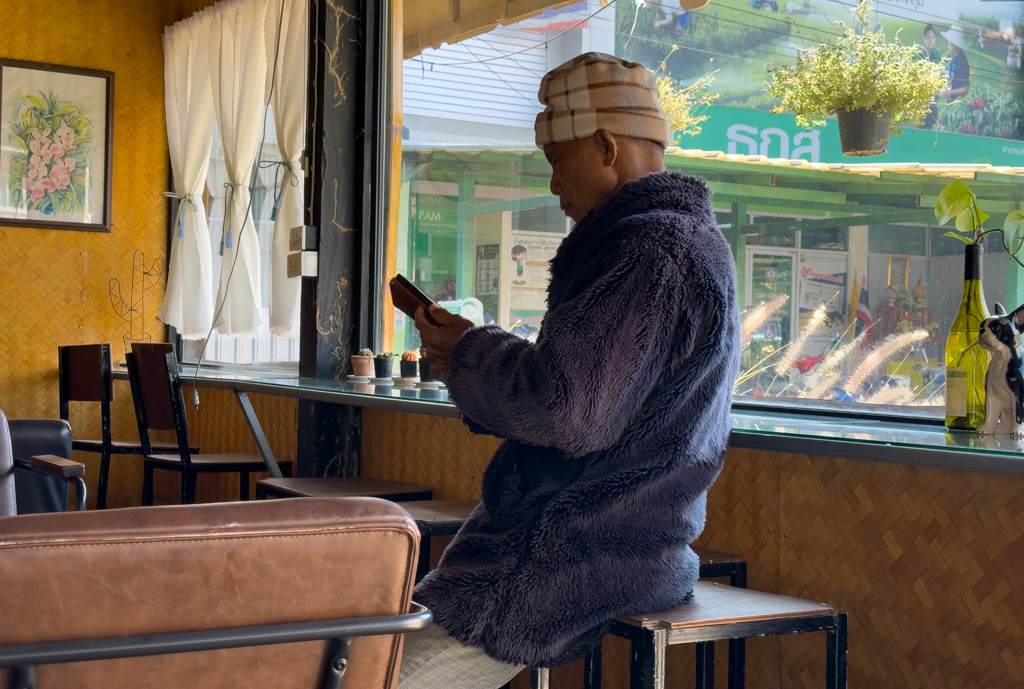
[86, 376]
[8, 506]
[155, 570]
[156, 393]
[37, 492]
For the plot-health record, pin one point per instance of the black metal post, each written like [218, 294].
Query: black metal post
[705, 665]
[337, 663]
[592, 669]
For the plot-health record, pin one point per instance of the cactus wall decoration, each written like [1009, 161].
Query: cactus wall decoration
[133, 310]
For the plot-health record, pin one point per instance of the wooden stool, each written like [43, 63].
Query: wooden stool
[338, 487]
[436, 518]
[718, 612]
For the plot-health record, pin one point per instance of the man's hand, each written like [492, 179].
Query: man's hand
[440, 341]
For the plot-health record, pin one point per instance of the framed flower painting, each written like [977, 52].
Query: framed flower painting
[56, 134]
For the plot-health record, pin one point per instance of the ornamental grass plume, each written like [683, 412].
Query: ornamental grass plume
[858, 71]
[890, 394]
[757, 317]
[880, 355]
[820, 380]
[815, 323]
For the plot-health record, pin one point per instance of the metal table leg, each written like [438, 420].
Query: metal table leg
[706, 665]
[257, 433]
[835, 670]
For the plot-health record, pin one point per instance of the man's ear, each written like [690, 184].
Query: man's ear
[609, 147]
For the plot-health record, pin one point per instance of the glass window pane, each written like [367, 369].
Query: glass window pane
[835, 315]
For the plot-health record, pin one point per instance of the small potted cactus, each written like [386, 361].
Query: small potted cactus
[425, 376]
[362, 363]
[383, 364]
[407, 367]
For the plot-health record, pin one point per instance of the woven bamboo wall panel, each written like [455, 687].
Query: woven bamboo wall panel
[53, 284]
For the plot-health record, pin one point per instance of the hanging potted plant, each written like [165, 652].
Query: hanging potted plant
[872, 87]
[966, 362]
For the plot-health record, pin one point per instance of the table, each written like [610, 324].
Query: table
[920, 443]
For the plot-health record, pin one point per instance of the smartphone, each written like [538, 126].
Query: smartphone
[407, 297]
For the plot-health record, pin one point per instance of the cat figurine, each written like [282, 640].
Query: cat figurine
[1004, 382]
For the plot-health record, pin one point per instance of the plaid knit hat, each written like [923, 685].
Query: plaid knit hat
[598, 91]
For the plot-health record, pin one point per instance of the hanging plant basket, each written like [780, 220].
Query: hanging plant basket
[863, 132]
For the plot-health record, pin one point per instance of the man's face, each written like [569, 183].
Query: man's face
[581, 176]
[929, 39]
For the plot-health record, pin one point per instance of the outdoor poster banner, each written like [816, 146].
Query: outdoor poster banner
[527, 276]
[740, 41]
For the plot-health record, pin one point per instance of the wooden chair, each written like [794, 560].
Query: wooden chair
[86, 376]
[436, 518]
[718, 612]
[159, 405]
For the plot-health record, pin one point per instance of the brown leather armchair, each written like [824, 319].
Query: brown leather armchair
[180, 580]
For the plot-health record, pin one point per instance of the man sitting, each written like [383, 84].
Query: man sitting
[615, 421]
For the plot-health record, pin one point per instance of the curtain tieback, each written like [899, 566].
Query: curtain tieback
[280, 180]
[226, 237]
[182, 200]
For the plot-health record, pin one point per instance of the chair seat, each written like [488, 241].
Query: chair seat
[225, 462]
[715, 604]
[434, 513]
[123, 447]
[344, 487]
[714, 557]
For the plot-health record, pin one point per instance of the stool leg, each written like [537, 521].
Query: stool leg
[423, 564]
[738, 647]
[835, 670]
[647, 664]
[592, 669]
[540, 678]
[147, 484]
[706, 665]
[101, 490]
[737, 663]
[243, 485]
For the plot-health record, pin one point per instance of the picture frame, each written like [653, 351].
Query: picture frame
[899, 273]
[56, 146]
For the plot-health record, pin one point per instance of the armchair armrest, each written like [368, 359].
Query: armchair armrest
[61, 468]
[58, 467]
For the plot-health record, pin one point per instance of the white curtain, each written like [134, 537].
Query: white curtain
[288, 98]
[238, 71]
[188, 99]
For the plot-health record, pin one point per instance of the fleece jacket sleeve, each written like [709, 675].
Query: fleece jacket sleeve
[599, 356]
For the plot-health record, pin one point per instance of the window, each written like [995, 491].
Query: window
[260, 347]
[846, 287]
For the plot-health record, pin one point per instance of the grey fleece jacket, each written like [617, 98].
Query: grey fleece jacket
[615, 425]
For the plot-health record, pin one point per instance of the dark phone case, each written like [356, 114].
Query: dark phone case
[407, 297]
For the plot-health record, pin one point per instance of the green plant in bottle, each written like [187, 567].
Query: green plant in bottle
[966, 361]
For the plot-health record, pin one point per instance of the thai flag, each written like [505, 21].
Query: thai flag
[562, 19]
[863, 311]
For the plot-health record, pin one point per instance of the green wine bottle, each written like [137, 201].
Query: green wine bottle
[966, 361]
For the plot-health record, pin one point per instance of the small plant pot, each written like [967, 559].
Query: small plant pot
[407, 369]
[383, 366]
[362, 366]
[425, 376]
[863, 132]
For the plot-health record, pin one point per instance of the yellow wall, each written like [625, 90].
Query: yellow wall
[53, 283]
